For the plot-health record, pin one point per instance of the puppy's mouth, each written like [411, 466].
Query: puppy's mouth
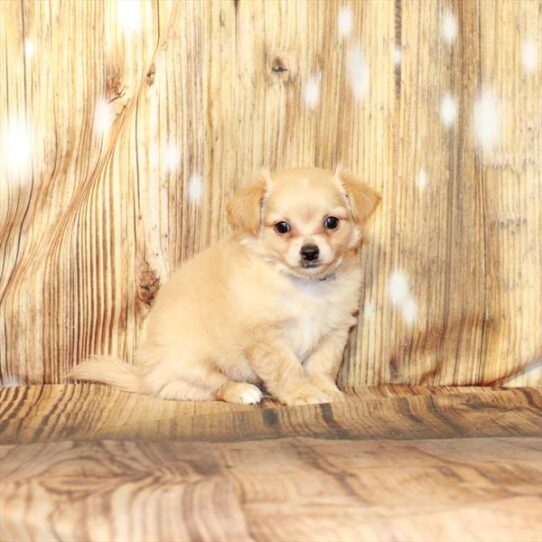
[313, 270]
[317, 269]
[310, 265]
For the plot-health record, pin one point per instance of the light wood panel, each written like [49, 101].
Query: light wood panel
[94, 217]
[83, 462]
[291, 489]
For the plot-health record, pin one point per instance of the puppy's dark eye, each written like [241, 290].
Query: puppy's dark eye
[331, 222]
[282, 227]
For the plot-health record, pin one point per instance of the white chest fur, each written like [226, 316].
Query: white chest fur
[316, 309]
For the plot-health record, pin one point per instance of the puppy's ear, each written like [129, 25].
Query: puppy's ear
[363, 199]
[244, 209]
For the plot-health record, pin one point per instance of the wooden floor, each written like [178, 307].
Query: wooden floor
[84, 462]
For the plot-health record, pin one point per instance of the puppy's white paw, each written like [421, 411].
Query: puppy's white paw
[242, 393]
[251, 395]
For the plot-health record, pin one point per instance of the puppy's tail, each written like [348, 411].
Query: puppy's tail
[108, 370]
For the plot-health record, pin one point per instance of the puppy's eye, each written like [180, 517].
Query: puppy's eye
[282, 227]
[331, 222]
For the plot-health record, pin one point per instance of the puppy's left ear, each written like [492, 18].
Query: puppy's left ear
[362, 198]
[244, 209]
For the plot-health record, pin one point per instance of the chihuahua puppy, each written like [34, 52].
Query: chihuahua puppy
[272, 305]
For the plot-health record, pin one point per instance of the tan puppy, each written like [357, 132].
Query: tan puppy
[272, 305]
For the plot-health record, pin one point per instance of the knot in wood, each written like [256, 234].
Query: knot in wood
[148, 284]
[150, 74]
[283, 68]
[278, 65]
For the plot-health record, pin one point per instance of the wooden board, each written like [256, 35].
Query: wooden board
[125, 126]
[83, 462]
[94, 411]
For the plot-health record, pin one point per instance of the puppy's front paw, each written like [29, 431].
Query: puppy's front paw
[241, 393]
[307, 394]
[328, 387]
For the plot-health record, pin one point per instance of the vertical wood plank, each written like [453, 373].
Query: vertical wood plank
[125, 126]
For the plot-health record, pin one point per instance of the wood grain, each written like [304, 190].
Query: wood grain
[93, 220]
[84, 462]
[92, 411]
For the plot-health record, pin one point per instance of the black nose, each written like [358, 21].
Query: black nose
[310, 252]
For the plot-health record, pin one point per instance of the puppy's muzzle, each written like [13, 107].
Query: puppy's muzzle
[309, 255]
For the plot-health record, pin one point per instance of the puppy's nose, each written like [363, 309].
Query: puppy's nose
[310, 252]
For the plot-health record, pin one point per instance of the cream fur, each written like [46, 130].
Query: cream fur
[244, 313]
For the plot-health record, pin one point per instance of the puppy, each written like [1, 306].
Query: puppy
[271, 306]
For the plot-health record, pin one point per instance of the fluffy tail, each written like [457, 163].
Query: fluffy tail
[108, 370]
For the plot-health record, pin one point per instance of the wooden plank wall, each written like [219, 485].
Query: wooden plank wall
[126, 125]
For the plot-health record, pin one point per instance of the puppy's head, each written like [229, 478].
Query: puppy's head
[304, 219]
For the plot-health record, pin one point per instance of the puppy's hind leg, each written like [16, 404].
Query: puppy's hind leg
[183, 391]
[197, 381]
[240, 393]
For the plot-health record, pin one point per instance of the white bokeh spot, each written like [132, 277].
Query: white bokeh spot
[345, 21]
[421, 180]
[401, 296]
[448, 27]
[409, 310]
[397, 54]
[172, 157]
[529, 56]
[129, 15]
[28, 49]
[17, 145]
[448, 110]
[311, 93]
[486, 120]
[195, 188]
[358, 72]
[398, 286]
[103, 116]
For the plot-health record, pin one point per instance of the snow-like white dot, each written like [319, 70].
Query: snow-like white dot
[448, 109]
[397, 56]
[345, 21]
[448, 26]
[529, 56]
[486, 119]
[195, 188]
[172, 157]
[311, 94]
[103, 116]
[358, 72]
[129, 15]
[399, 289]
[401, 297]
[421, 180]
[409, 310]
[17, 144]
[28, 49]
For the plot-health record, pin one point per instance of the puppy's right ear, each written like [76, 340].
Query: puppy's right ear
[244, 209]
